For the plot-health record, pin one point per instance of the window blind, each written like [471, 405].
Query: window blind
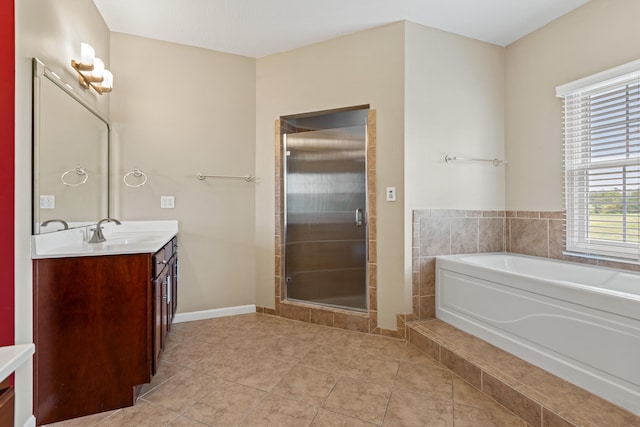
[602, 167]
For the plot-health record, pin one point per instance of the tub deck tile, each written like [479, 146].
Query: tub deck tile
[537, 396]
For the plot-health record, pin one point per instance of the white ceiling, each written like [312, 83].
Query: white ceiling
[258, 28]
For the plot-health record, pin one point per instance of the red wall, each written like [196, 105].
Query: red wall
[7, 183]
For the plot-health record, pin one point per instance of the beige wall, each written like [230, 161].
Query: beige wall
[51, 31]
[597, 36]
[363, 68]
[454, 104]
[176, 111]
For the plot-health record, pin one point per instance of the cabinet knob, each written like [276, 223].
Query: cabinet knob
[162, 262]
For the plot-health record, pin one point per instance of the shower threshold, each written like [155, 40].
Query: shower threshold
[356, 303]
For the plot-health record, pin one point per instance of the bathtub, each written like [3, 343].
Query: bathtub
[579, 322]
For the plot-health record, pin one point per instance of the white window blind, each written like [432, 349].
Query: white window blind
[602, 165]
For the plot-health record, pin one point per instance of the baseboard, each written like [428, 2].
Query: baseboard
[31, 422]
[212, 314]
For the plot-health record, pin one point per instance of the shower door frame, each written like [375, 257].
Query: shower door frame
[366, 237]
[325, 315]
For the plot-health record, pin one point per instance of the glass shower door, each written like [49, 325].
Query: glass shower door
[325, 217]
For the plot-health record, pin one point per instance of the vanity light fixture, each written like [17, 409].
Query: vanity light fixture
[91, 71]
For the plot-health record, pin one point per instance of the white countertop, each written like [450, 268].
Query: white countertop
[132, 237]
[12, 356]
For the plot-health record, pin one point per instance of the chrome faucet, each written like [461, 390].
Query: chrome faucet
[63, 222]
[97, 236]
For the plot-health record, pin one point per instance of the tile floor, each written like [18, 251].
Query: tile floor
[261, 370]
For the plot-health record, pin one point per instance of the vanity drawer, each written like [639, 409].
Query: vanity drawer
[169, 249]
[162, 257]
[158, 263]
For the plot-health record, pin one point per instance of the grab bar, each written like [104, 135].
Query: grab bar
[496, 162]
[202, 176]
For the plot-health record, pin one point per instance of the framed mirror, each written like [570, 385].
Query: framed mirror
[70, 156]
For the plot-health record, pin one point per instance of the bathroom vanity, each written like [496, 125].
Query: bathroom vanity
[101, 315]
[101, 308]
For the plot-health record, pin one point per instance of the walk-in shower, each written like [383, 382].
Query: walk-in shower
[325, 183]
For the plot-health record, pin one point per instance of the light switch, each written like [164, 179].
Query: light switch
[167, 202]
[391, 194]
[47, 201]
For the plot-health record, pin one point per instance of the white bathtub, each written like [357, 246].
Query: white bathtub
[581, 323]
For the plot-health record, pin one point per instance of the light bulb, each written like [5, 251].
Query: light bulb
[98, 68]
[87, 54]
[108, 80]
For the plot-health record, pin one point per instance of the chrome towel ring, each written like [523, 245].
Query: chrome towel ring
[137, 173]
[79, 171]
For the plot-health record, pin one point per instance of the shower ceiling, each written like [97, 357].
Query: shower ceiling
[258, 28]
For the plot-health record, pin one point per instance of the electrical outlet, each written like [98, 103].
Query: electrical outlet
[47, 201]
[167, 202]
[391, 194]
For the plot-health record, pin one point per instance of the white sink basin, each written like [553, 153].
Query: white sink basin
[135, 242]
[130, 239]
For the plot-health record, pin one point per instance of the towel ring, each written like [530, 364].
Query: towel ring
[137, 173]
[80, 171]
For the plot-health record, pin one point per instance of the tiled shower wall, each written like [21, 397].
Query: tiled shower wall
[447, 232]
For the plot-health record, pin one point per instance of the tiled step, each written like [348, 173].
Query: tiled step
[538, 397]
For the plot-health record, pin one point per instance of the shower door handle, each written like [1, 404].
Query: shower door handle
[359, 217]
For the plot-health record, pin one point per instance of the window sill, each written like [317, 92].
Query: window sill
[601, 257]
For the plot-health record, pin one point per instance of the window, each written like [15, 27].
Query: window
[602, 163]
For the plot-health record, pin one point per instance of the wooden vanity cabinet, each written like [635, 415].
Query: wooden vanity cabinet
[95, 331]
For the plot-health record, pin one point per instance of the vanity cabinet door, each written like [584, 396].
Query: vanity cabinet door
[92, 330]
[164, 294]
[174, 281]
[159, 316]
[164, 313]
[7, 404]
[173, 302]
[172, 286]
